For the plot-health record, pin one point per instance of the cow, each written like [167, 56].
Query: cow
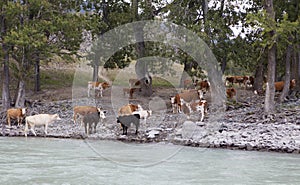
[126, 121]
[197, 106]
[174, 105]
[188, 97]
[130, 91]
[144, 114]
[15, 113]
[279, 85]
[237, 79]
[83, 110]
[203, 85]
[129, 109]
[100, 86]
[249, 81]
[39, 120]
[231, 92]
[91, 120]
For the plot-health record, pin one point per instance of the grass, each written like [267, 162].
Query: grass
[57, 78]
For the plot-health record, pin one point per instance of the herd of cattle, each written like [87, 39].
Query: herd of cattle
[190, 100]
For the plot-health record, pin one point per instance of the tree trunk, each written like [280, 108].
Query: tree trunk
[296, 70]
[95, 72]
[259, 77]
[5, 76]
[187, 67]
[223, 65]
[286, 87]
[37, 76]
[20, 101]
[141, 67]
[270, 89]
[6, 79]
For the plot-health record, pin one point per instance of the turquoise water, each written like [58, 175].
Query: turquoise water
[63, 161]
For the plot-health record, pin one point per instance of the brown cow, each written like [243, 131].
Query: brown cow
[203, 85]
[83, 110]
[237, 79]
[231, 92]
[279, 85]
[196, 106]
[100, 86]
[15, 113]
[188, 97]
[129, 109]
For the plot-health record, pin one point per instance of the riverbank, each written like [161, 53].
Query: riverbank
[242, 126]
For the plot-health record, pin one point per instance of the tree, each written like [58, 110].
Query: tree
[270, 88]
[4, 57]
[38, 30]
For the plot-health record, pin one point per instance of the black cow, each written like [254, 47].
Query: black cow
[127, 120]
[91, 120]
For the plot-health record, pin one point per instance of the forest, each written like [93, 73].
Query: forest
[257, 38]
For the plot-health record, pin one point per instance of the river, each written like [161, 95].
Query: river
[67, 161]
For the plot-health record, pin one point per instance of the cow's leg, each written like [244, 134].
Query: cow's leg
[32, 129]
[89, 91]
[19, 120]
[8, 121]
[46, 127]
[136, 129]
[95, 126]
[123, 129]
[85, 128]
[74, 117]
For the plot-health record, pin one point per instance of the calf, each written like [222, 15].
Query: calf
[91, 120]
[198, 106]
[279, 85]
[83, 110]
[188, 97]
[100, 86]
[130, 91]
[237, 79]
[144, 114]
[15, 113]
[231, 92]
[129, 109]
[203, 85]
[39, 120]
[126, 121]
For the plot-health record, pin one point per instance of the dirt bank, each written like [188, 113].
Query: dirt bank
[242, 126]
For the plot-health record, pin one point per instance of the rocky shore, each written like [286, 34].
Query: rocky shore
[242, 126]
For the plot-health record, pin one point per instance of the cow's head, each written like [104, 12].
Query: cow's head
[24, 111]
[102, 113]
[56, 117]
[105, 85]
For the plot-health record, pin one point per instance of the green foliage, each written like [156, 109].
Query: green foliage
[38, 29]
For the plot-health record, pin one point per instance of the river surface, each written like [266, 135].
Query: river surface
[67, 161]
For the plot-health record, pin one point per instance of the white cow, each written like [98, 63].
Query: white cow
[144, 114]
[39, 120]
